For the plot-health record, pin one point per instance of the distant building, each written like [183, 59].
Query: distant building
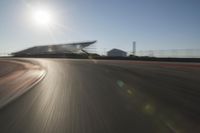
[55, 49]
[116, 53]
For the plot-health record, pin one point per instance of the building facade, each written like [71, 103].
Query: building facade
[55, 49]
[116, 53]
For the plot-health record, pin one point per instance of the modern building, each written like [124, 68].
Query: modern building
[57, 49]
[116, 53]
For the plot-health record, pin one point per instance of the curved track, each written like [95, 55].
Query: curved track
[90, 96]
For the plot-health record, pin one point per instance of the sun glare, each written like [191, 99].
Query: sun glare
[42, 17]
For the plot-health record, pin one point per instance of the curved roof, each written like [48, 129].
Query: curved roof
[56, 48]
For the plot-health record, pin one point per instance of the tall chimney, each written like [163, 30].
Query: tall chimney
[134, 47]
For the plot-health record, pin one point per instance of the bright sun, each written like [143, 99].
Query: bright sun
[42, 17]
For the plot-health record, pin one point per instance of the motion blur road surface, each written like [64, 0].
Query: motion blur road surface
[93, 96]
[17, 77]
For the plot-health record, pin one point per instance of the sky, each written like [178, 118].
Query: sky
[153, 24]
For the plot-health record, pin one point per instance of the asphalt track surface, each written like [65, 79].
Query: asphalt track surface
[17, 77]
[8, 67]
[92, 96]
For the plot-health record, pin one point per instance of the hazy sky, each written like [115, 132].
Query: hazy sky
[153, 24]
